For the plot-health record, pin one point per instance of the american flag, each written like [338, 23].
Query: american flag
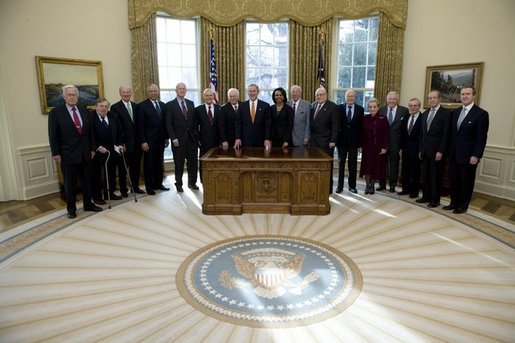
[213, 76]
[321, 64]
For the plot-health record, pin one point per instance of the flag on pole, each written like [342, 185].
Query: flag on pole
[321, 63]
[213, 76]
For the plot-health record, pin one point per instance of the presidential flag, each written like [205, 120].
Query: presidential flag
[321, 64]
[213, 76]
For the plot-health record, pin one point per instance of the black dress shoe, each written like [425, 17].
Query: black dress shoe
[380, 188]
[392, 189]
[99, 201]
[139, 191]
[180, 189]
[459, 210]
[125, 195]
[421, 200]
[72, 215]
[372, 191]
[163, 188]
[402, 193]
[151, 192]
[93, 208]
[352, 190]
[412, 196]
[194, 187]
[115, 197]
[449, 207]
[433, 204]
[339, 189]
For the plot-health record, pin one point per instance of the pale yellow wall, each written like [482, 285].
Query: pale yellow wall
[438, 32]
[462, 31]
[92, 30]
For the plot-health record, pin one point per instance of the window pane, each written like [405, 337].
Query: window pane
[358, 77]
[266, 56]
[360, 54]
[357, 53]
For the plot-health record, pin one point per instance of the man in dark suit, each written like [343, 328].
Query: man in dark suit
[254, 122]
[394, 113]
[227, 119]
[126, 111]
[154, 138]
[469, 130]
[434, 144]
[351, 124]
[108, 139]
[72, 145]
[183, 131]
[409, 149]
[207, 118]
[324, 127]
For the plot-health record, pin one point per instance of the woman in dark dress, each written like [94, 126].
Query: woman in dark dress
[282, 119]
[374, 145]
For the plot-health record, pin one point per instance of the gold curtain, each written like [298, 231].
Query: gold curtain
[231, 12]
[303, 55]
[144, 58]
[390, 44]
[230, 56]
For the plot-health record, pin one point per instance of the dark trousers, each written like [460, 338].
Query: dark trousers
[153, 160]
[133, 162]
[411, 175]
[345, 152]
[187, 153]
[71, 174]
[99, 184]
[432, 172]
[392, 168]
[462, 178]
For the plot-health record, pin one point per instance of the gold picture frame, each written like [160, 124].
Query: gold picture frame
[448, 79]
[54, 73]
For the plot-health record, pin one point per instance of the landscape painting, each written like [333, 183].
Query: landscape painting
[449, 79]
[54, 73]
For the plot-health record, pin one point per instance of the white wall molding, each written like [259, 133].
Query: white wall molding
[38, 172]
[496, 172]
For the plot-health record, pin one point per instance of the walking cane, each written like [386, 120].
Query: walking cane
[107, 179]
[127, 172]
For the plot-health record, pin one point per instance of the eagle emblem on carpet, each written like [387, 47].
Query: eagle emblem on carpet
[269, 272]
[269, 281]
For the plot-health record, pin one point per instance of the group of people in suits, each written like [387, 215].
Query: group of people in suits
[81, 141]
[424, 141]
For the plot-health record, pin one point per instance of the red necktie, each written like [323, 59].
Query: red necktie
[184, 109]
[294, 108]
[76, 120]
[319, 107]
[210, 115]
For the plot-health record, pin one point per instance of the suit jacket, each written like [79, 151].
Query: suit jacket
[395, 127]
[349, 132]
[282, 125]
[106, 137]
[301, 123]
[128, 126]
[324, 127]
[65, 140]
[254, 135]
[470, 139]
[227, 122]
[185, 129]
[410, 141]
[437, 138]
[209, 135]
[152, 124]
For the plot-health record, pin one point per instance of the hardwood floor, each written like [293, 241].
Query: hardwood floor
[14, 213]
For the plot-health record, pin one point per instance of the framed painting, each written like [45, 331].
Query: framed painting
[449, 79]
[54, 73]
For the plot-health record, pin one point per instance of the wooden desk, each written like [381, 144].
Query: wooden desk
[253, 180]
